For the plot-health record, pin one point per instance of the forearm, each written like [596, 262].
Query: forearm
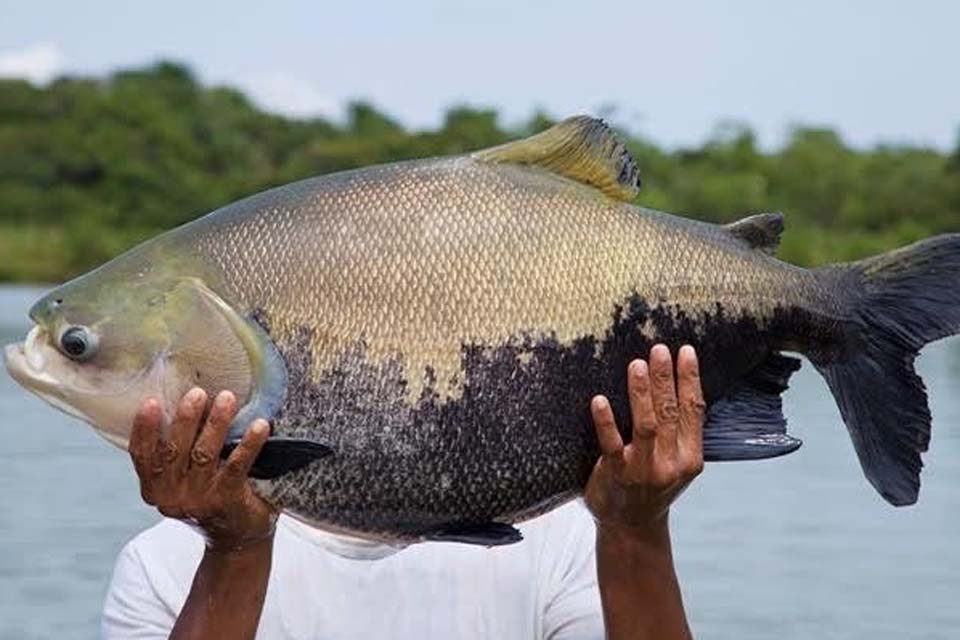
[638, 585]
[227, 594]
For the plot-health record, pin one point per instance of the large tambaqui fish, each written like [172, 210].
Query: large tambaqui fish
[425, 337]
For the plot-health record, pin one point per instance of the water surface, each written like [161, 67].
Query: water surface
[799, 547]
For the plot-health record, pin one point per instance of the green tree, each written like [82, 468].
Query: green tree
[90, 166]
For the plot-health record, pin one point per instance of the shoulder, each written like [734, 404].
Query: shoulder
[167, 538]
[150, 581]
[565, 543]
[166, 556]
[568, 526]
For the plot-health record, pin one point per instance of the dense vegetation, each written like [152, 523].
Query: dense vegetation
[91, 166]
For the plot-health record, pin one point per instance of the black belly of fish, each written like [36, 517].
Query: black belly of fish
[519, 440]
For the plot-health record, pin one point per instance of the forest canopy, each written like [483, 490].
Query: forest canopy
[91, 166]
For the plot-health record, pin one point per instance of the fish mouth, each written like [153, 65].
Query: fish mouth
[24, 362]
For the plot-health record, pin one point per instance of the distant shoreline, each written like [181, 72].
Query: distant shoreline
[91, 166]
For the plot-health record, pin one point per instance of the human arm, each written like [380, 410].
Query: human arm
[632, 487]
[183, 477]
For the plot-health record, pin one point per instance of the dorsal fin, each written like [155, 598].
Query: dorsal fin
[761, 231]
[581, 148]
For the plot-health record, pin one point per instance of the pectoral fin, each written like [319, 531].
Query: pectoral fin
[281, 455]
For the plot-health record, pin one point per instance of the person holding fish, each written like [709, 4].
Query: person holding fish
[425, 341]
[558, 583]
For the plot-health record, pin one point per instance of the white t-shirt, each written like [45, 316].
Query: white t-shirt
[324, 586]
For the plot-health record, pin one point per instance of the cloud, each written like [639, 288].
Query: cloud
[38, 63]
[285, 93]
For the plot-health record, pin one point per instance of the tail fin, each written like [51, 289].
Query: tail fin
[908, 298]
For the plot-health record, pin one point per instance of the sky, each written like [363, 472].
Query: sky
[879, 71]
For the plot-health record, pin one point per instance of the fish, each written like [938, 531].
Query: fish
[424, 337]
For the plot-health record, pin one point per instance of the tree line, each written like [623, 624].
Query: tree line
[91, 166]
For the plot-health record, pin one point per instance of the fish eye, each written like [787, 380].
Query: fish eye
[78, 343]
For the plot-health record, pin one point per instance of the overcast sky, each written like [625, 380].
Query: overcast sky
[878, 70]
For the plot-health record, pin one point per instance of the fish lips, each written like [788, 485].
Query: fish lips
[25, 365]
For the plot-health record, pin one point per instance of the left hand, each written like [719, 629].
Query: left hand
[632, 486]
[184, 477]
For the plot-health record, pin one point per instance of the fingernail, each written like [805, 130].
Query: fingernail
[195, 395]
[224, 398]
[260, 427]
[639, 368]
[687, 351]
[660, 351]
[600, 403]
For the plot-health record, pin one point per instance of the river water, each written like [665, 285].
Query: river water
[799, 547]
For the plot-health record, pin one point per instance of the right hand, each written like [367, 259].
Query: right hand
[183, 475]
[633, 485]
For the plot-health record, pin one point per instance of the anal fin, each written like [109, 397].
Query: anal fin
[747, 423]
[281, 455]
[487, 534]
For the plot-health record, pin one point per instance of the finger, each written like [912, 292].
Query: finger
[692, 408]
[642, 414]
[184, 429]
[144, 438]
[606, 425]
[238, 465]
[664, 393]
[206, 450]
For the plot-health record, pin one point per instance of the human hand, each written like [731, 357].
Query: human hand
[183, 476]
[632, 487]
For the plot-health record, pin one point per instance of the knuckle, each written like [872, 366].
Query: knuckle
[668, 410]
[234, 467]
[201, 456]
[644, 431]
[605, 423]
[662, 376]
[170, 451]
[668, 473]
[638, 391]
[697, 406]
